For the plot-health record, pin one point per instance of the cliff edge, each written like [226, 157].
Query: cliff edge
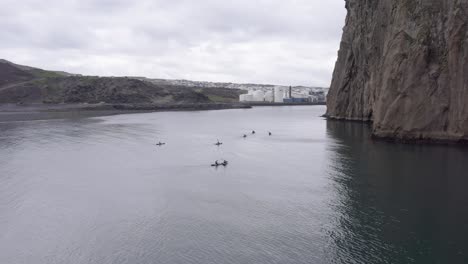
[404, 66]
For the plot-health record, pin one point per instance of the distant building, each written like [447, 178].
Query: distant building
[296, 100]
[252, 96]
[280, 94]
[314, 99]
[258, 96]
[246, 98]
[269, 97]
[283, 94]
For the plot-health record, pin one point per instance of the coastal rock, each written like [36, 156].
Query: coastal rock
[403, 65]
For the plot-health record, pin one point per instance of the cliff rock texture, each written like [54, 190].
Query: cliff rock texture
[403, 64]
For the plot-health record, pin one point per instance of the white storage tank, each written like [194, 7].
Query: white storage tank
[269, 97]
[279, 94]
[258, 96]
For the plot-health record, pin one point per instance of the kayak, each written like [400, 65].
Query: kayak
[220, 164]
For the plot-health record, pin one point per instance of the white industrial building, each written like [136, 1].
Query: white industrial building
[256, 96]
[281, 93]
[269, 96]
[246, 97]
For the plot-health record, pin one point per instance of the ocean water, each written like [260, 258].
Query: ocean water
[98, 190]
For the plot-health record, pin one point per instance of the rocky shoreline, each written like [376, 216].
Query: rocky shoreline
[13, 112]
[127, 107]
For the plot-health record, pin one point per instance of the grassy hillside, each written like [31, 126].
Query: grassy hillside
[22, 84]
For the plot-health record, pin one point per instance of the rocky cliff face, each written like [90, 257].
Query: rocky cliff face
[403, 64]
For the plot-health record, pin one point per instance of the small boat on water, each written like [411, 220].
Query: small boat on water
[217, 164]
[218, 143]
[160, 144]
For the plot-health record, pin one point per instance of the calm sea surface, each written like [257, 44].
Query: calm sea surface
[98, 190]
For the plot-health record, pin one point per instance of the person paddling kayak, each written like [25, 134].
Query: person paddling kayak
[216, 164]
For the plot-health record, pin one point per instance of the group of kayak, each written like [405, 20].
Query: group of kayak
[216, 163]
[253, 133]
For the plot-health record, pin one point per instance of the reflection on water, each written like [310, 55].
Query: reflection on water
[397, 203]
[97, 190]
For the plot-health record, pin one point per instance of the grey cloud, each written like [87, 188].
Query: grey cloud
[290, 42]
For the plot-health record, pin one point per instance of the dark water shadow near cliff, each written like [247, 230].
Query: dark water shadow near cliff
[396, 203]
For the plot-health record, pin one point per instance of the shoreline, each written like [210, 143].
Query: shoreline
[36, 112]
[280, 104]
[123, 106]
[409, 139]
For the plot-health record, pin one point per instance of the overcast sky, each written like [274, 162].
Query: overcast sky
[262, 41]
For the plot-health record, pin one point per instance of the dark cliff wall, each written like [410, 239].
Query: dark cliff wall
[403, 64]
